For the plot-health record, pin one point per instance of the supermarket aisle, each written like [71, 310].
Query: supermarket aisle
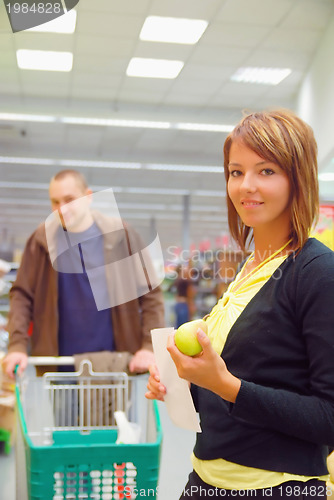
[174, 466]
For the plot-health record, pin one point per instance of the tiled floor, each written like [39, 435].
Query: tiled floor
[174, 466]
[7, 476]
[175, 461]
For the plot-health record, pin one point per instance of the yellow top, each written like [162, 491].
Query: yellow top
[219, 472]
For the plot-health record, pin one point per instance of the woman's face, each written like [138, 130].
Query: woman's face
[259, 190]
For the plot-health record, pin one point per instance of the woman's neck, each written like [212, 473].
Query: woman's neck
[265, 246]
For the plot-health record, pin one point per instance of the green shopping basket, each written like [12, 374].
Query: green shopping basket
[66, 441]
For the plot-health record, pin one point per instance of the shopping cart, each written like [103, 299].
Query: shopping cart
[66, 441]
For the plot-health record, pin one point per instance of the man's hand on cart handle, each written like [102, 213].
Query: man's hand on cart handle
[141, 361]
[13, 360]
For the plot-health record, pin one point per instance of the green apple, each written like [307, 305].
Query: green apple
[186, 337]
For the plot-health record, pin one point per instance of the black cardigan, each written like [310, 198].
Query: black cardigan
[282, 348]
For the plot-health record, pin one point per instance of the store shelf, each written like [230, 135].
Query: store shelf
[8, 278]
[216, 270]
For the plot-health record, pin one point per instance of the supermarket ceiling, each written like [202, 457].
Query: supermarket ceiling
[156, 141]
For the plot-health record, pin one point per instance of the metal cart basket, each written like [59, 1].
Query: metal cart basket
[66, 441]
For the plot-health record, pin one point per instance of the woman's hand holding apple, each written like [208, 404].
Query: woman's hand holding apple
[155, 388]
[206, 370]
[186, 337]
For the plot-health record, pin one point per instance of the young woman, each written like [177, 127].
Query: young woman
[264, 382]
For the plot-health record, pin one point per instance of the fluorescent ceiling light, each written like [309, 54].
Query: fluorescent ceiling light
[18, 117]
[204, 127]
[105, 122]
[68, 163]
[154, 68]
[109, 164]
[64, 24]
[208, 193]
[44, 60]
[185, 168]
[99, 164]
[268, 76]
[144, 190]
[136, 206]
[109, 122]
[28, 161]
[117, 189]
[326, 176]
[172, 30]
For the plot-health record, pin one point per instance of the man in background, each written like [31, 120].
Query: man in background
[60, 285]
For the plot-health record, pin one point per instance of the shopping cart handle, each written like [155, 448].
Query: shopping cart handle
[51, 360]
[16, 374]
